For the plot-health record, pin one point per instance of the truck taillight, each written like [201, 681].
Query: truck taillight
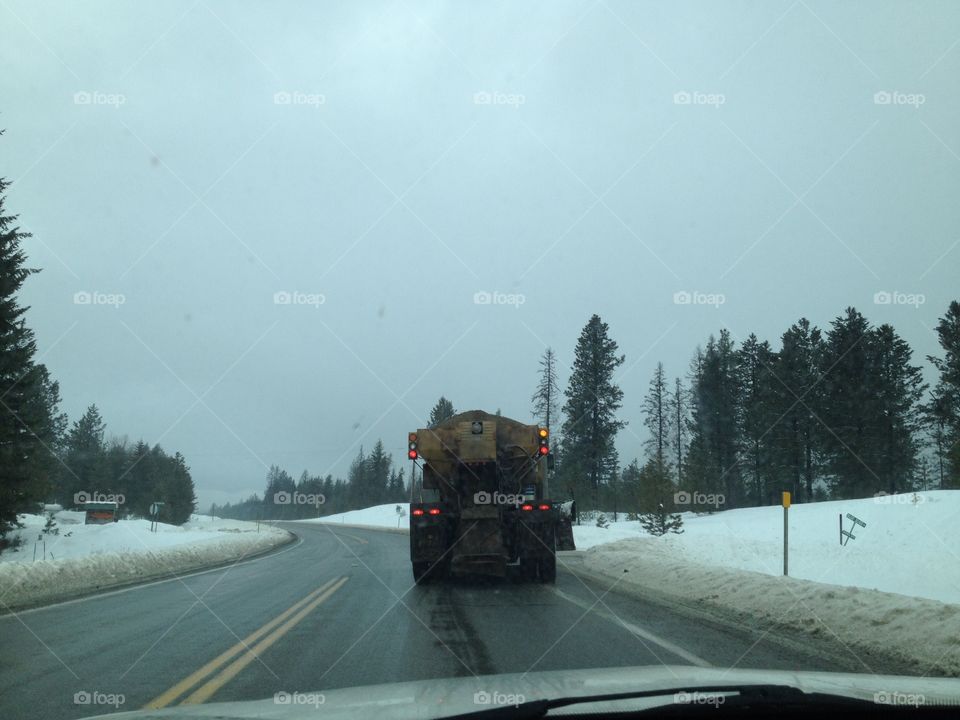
[527, 507]
[417, 512]
[412, 444]
[544, 506]
[434, 511]
[544, 442]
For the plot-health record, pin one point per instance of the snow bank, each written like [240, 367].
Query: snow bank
[86, 558]
[378, 516]
[894, 589]
[909, 545]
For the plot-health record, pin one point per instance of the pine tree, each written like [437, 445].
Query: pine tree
[797, 405]
[713, 461]
[592, 400]
[547, 394]
[900, 389]
[657, 416]
[443, 410]
[678, 407]
[849, 405]
[943, 412]
[28, 399]
[85, 467]
[377, 476]
[659, 522]
[757, 416]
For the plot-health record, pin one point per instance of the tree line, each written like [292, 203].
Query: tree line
[827, 414]
[372, 479]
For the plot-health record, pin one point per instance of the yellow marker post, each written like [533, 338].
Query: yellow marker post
[786, 529]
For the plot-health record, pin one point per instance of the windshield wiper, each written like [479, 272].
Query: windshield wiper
[733, 696]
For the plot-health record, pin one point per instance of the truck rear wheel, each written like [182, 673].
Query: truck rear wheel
[548, 568]
[421, 572]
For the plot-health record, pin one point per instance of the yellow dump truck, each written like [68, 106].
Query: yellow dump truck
[481, 507]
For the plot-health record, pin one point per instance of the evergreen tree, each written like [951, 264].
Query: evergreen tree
[659, 522]
[377, 476]
[547, 394]
[900, 389]
[797, 405]
[678, 407]
[713, 461]
[443, 410]
[29, 414]
[592, 400]
[656, 409]
[757, 416]
[943, 413]
[656, 488]
[85, 468]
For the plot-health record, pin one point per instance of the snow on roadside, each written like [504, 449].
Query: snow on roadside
[916, 631]
[376, 516]
[84, 558]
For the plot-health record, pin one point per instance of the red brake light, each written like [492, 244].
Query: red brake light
[412, 454]
[544, 506]
[417, 511]
[544, 449]
[434, 511]
[526, 506]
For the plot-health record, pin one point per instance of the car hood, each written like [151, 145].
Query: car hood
[451, 696]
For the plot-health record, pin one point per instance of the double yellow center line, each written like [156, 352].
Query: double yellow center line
[273, 631]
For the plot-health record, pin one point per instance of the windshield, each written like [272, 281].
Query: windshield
[346, 344]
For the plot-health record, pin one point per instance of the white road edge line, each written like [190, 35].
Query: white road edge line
[108, 593]
[636, 630]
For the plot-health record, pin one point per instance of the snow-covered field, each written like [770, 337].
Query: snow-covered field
[894, 589]
[81, 558]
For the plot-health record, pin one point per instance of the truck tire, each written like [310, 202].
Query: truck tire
[548, 568]
[529, 569]
[421, 572]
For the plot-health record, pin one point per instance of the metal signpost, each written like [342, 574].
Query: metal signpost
[847, 535]
[154, 511]
[786, 529]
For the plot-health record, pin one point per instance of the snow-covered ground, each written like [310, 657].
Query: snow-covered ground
[81, 558]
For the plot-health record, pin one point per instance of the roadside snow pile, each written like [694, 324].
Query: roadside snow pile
[895, 589]
[82, 558]
[909, 545]
[385, 516]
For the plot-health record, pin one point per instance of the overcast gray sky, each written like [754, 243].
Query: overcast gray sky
[393, 159]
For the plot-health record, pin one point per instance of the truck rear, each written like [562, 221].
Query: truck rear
[481, 507]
